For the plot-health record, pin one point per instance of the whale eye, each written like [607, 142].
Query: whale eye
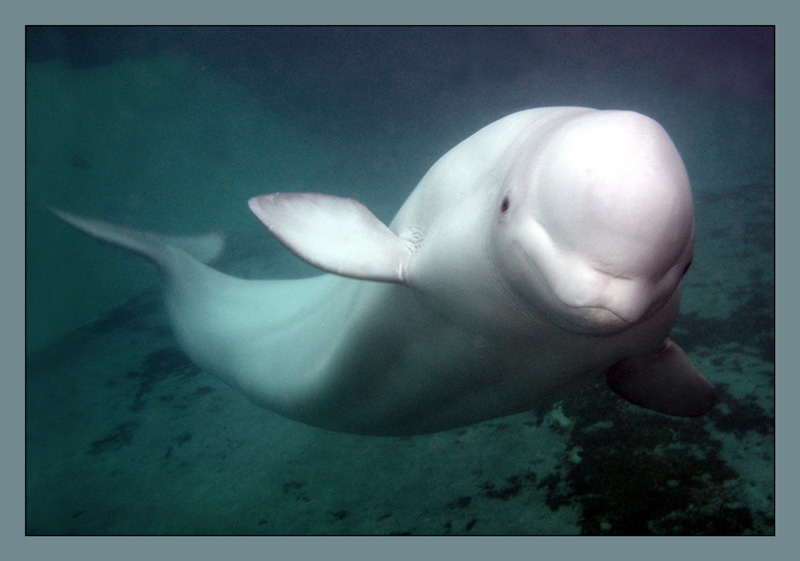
[504, 204]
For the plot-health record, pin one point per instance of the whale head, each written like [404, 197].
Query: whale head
[595, 223]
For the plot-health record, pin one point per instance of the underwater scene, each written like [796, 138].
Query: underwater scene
[174, 129]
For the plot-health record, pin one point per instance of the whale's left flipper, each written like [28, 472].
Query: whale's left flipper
[666, 382]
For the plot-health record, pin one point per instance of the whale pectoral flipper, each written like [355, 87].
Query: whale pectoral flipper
[335, 234]
[666, 382]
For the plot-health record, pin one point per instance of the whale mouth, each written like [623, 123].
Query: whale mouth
[597, 319]
[592, 320]
[584, 319]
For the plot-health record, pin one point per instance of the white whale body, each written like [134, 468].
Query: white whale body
[544, 251]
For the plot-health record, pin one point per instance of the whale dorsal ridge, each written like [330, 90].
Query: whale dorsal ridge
[335, 234]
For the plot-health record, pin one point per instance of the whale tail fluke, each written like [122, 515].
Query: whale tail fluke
[155, 247]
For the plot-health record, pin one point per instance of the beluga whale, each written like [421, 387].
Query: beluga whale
[543, 252]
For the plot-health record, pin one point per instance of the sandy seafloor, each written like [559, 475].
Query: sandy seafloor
[124, 435]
